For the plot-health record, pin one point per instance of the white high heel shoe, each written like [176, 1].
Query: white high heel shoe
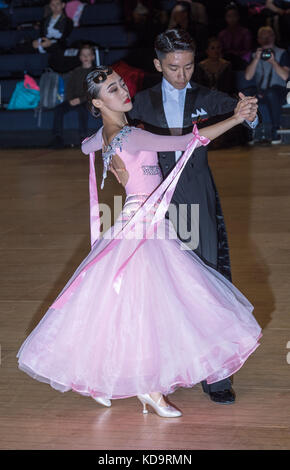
[163, 411]
[103, 401]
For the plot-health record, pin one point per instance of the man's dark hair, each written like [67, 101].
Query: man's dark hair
[232, 6]
[173, 40]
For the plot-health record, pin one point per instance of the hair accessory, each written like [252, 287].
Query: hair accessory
[101, 75]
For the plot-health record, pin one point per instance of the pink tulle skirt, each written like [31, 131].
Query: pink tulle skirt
[174, 323]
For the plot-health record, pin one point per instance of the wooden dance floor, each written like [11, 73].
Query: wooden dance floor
[45, 235]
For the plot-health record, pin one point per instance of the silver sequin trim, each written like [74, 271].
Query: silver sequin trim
[151, 170]
[110, 150]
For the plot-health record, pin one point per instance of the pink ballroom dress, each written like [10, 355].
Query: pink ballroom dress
[141, 313]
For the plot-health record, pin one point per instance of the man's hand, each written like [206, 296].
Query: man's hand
[272, 59]
[45, 42]
[74, 102]
[249, 111]
[258, 54]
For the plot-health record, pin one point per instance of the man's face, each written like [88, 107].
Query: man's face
[177, 68]
[56, 6]
[266, 38]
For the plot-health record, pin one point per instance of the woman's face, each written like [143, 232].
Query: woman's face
[232, 17]
[114, 95]
[56, 6]
[214, 50]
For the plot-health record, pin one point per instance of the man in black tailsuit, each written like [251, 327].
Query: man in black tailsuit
[172, 107]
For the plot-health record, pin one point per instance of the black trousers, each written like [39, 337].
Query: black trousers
[274, 98]
[62, 109]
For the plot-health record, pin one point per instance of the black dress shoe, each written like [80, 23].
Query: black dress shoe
[224, 397]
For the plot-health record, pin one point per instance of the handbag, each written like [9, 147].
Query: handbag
[26, 94]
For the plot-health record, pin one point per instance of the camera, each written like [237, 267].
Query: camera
[266, 54]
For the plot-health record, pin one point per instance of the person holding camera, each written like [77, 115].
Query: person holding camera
[270, 67]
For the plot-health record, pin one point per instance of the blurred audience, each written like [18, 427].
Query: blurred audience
[138, 11]
[54, 29]
[215, 72]
[75, 98]
[282, 9]
[181, 17]
[215, 14]
[236, 41]
[198, 10]
[270, 68]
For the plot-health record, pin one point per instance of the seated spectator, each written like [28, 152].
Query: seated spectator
[182, 17]
[198, 10]
[215, 14]
[270, 67]
[54, 29]
[138, 11]
[75, 98]
[146, 19]
[281, 8]
[236, 41]
[215, 72]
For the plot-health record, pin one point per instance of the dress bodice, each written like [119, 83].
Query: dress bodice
[138, 151]
[142, 166]
[144, 172]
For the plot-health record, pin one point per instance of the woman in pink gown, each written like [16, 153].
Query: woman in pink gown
[141, 315]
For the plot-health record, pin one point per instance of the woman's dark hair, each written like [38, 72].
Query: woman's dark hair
[173, 40]
[92, 85]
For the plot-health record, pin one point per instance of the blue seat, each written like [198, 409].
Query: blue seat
[26, 119]
[26, 15]
[104, 36]
[31, 63]
[19, 128]
[102, 13]
[9, 39]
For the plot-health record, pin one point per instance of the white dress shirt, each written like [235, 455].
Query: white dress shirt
[173, 104]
